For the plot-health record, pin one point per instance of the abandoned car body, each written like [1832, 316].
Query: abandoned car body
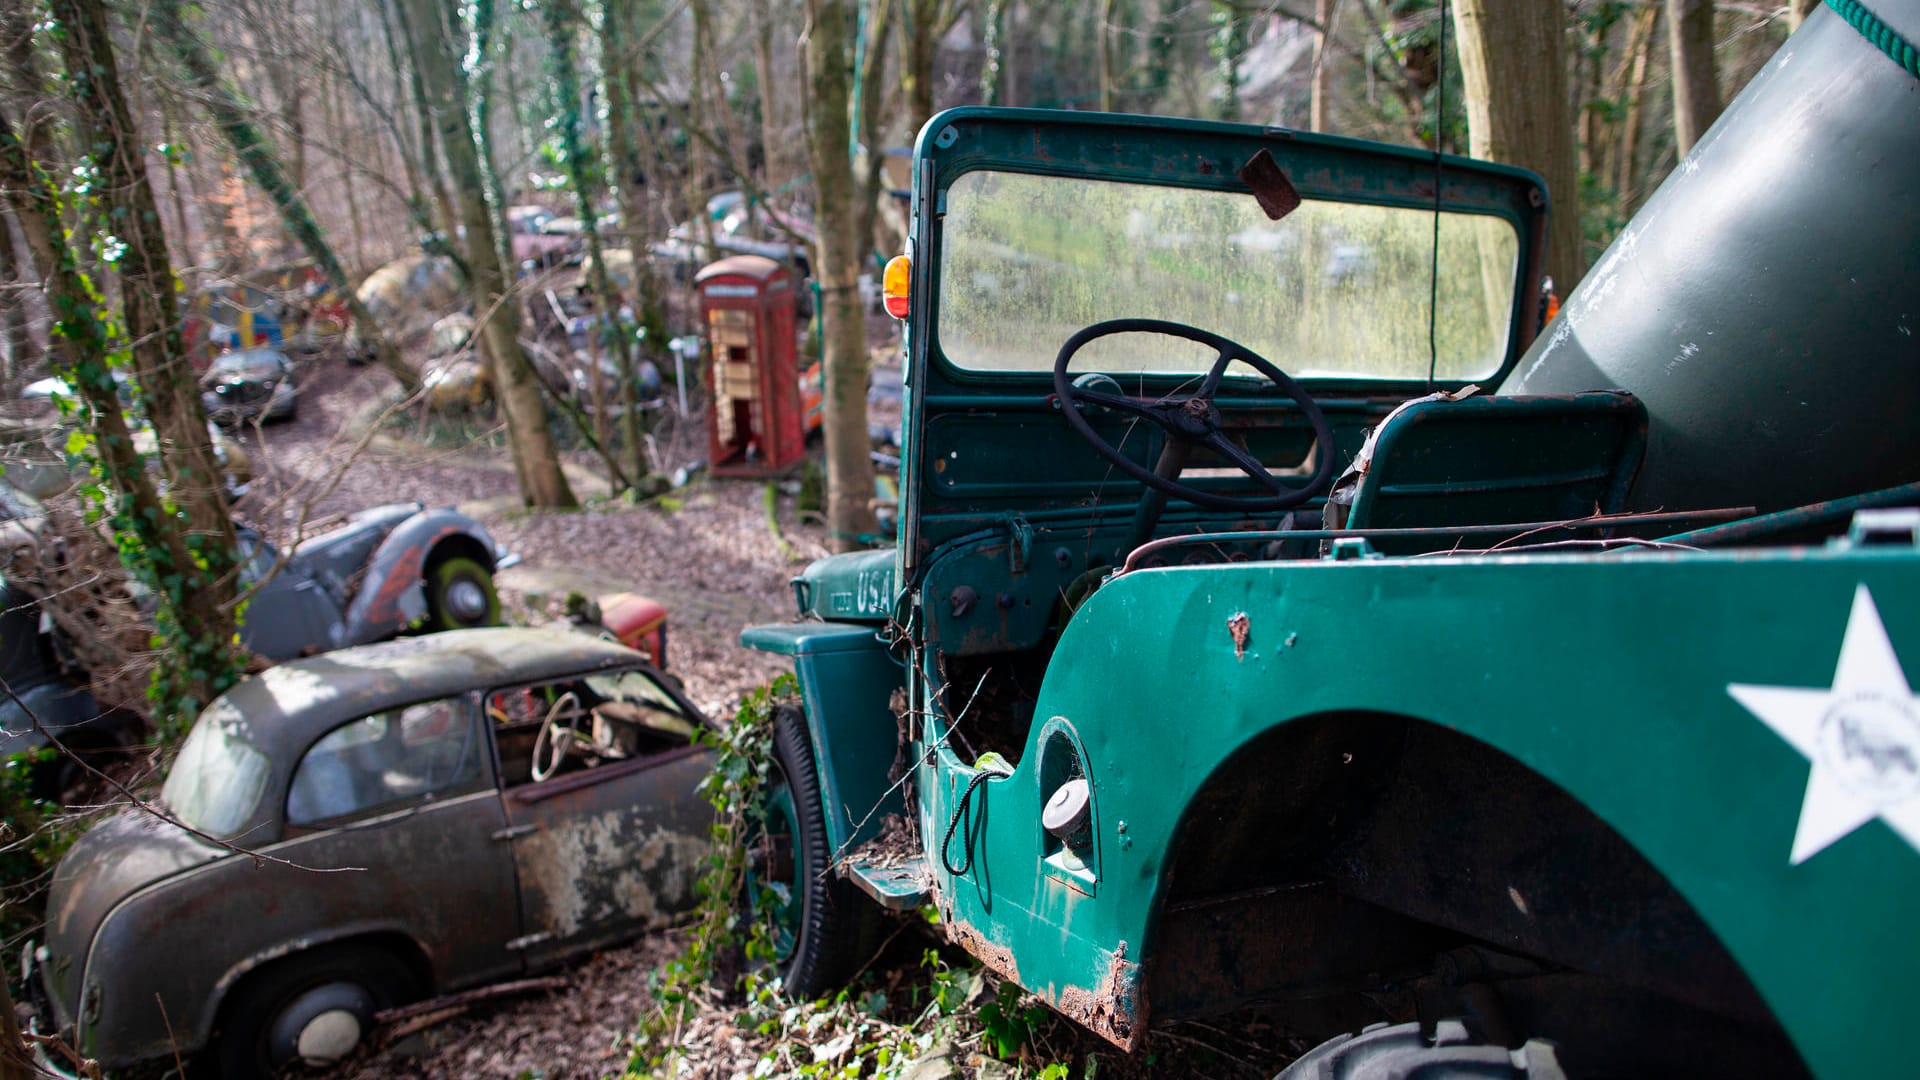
[382, 572]
[510, 797]
[1188, 723]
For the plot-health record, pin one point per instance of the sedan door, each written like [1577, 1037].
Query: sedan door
[611, 843]
[408, 795]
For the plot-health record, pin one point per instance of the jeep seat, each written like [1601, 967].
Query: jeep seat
[1441, 461]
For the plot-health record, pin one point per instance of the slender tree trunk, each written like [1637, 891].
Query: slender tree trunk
[15, 1062]
[872, 114]
[483, 27]
[1627, 148]
[23, 353]
[232, 115]
[1696, 83]
[849, 469]
[1513, 59]
[170, 392]
[1321, 104]
[920, 25]
[1106, 55]
[444, 211]
[773, 149]
[619, 51]
[562, 22]
[516, 385]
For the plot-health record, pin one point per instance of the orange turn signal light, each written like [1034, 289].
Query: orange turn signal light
[896, 284]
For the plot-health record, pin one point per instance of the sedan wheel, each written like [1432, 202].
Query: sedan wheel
[313, 1009]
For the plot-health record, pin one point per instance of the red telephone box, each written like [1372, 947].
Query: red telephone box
[756, 425]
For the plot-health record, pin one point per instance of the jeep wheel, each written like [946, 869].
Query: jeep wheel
[310, 1009]
[460, 594]
[820, 930]
[1389, 1053]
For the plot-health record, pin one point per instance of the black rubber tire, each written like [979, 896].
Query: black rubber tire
[838, 927]
[442, 575]
[1403, 1052]
[241, 1047]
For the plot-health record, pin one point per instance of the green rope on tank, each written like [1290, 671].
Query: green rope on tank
[1886, 38]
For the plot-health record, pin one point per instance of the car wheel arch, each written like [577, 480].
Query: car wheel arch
[395, 942]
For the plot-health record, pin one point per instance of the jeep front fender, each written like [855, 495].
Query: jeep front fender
[847, 679]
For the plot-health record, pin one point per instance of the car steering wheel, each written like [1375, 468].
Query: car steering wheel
[1192, 420]
[553, 739]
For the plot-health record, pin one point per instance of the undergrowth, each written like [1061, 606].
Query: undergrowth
[719, 1008]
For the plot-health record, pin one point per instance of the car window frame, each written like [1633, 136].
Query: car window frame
[486, 774]
[606, 770]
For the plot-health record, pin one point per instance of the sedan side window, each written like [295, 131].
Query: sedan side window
[409, 753]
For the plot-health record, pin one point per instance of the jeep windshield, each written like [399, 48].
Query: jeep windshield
[1332, 290]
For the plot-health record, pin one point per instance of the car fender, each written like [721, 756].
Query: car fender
[847, 681]
[393, 593]
[62, 709]
[383, 930]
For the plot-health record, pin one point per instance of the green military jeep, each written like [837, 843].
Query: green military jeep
[1281, 615]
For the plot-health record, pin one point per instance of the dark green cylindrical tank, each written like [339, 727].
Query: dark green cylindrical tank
[1765, 303]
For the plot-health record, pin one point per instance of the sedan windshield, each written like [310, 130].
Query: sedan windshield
[1331, 290]
[218, 778]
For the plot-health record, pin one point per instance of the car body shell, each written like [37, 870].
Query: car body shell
[150, 927]
[361, 582]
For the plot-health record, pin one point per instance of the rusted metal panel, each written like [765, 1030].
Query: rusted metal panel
[614, 850]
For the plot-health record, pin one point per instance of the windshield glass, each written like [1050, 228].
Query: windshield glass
[217, 780]
[1333, 289]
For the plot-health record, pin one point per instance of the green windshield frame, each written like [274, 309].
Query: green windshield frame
[1333, 290]
[1220, 163]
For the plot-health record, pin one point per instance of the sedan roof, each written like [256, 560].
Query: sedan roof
[284, 708]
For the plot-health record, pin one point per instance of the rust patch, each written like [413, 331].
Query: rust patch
[1242, 629]
[1114, 1010]
[998, 958]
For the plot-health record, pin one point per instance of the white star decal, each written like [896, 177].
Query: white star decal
[1862, 736]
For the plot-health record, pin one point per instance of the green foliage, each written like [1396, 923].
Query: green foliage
[1007, 1024]
[32, 839]
[743, 749]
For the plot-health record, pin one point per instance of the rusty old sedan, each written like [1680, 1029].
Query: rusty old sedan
[373, 826]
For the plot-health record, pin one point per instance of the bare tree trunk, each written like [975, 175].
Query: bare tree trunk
[230, 113]
[515, 383]
[444, 211]
[620, 54]
[849, 469]
[15, 1062]
[204, 601]
[1513, 59]
[872, 113]
[483, 27]
[1320, 107]
[562, 23]
[1696, 84]
[1627, 151]
[23, 353]
[1106, 55]
[922, 23]
[772, 132]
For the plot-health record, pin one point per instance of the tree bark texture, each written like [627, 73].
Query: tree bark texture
[562, 23]
[1321, 100]
[1696, 82]
[233, 116]
[516, 385]
[837, 266]
[1513, 59]
[23, 353]
[81, 345]
[170, 391]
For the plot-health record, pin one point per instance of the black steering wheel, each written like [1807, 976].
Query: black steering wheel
[1192, 420]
